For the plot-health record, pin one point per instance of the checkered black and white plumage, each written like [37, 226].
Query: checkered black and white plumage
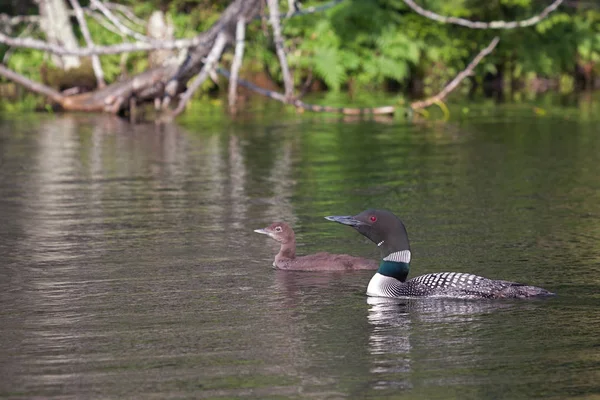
[448, 284]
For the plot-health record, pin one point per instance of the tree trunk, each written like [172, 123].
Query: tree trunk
[57, 27]
[161, 28]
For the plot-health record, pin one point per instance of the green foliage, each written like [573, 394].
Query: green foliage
[369, 44]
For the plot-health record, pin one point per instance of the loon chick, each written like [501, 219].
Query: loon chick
[388, 232]
[286, 258]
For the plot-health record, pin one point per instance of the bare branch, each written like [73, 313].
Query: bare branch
[88, 40]
[115, 21]
[309, 10]
[240, 32]
[28, 29]
[456, 81]
[31, 85]
[211, 60]
[276, 25]
[126, 11]
[103, 22]
[31, 43]
[484, 25]
[384, 110]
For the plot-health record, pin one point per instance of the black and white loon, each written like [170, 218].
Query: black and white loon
[388, 232]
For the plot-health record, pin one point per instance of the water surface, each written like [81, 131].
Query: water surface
[129, 269]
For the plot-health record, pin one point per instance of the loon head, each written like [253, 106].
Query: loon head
[279, 231]
[382, 227]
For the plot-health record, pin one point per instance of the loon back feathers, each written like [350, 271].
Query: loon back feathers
[451, 284]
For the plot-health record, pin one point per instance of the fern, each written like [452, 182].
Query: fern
[327, 65]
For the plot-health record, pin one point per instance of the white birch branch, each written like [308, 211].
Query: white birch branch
[126, 11]
[211, 60]
[103, 22]
[483, 25]
[35, 44]
[277, 36]
[456, 81]
[240, 33]
[96, 66]
[115, 21]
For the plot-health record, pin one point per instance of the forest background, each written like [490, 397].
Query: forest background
[352, 46]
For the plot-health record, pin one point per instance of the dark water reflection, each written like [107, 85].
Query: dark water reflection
[129, 269]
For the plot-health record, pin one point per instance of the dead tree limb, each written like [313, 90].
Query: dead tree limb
[456, 81]
[97, 67]
[26, 31]
[35, 44]
[126, 11]
[288, 83]
[30, 85]
[483, 25]
[146, 86]
[384, 110]
[115, 21]
[212, 58]
[240, 33]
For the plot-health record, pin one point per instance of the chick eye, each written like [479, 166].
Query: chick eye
[373, 218]
[278, 229]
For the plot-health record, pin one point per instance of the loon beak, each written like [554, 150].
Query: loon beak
[345, 220]
[263, 231]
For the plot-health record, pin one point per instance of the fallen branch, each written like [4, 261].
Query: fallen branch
[288, 84]
[30, 85]
[384, 110]
[96, 66]
[456, 81]
[483, 25]
[240, 33]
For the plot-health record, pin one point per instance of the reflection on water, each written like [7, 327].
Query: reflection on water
[392, 327]
[129, 267]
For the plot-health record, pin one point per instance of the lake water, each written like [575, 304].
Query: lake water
[129, 267]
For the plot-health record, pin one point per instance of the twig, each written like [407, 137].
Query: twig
[308, 10]
[10, 51]
[277, 36]
[30, 85]
[456, 81]
[292, 8]
[34, 44]
[384, 110]
[483, 25]
[240, 33]
[127, 13]
[103, 22]
[211, 59]
[115, 21]
[97, 67]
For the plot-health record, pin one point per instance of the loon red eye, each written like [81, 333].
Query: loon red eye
[373, 218]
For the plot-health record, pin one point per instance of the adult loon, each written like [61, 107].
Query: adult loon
[388, 232]
[286, 258]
